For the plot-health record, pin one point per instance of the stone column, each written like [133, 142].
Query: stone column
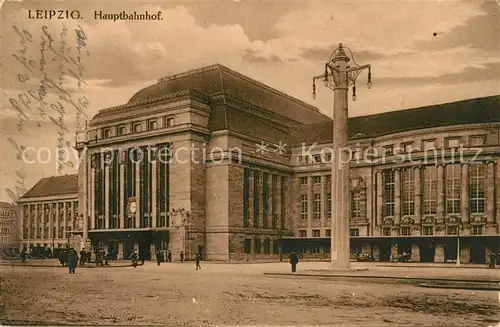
[497, 185]
[36, 221]
[439, 253]
[152, 249]
[464, 206]
[260, 189]
[120, 250]
[65, 219]
[415, 253]
[278, 202]
[138, 212]
[58, 224]
[123, 205]
[490, 192]
[92, 198]
[394, 250]
[51, 223]
[85, 204]
[153, 196]
[418, 197]
[397, 196]
[440, 193]
[106, 195]
[380, 199]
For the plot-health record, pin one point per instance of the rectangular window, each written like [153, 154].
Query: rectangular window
[315, 232]
[451, 230]
[427, 230]
[453, 142]
[120, 130]
[354, 232]
[317, 206]
[453, 189]
[328, 233]
[256, 246]
[405, 231]
[388, 193]
[329, 205]
[106, 132]
[407, 147]
[477, 140]
[408, 196]
[152, 124]
[136, 127]
[303, 181]
[355, 204]
[170, 122]
[265, 200]
[327, 157]
[388, 150]
[267, 246]
[316, 179]
[317, 158]
[430, 190]
[302, 233]
[429, 145]
[477, 187]
[386, 231]
[275, 247]
[303, 206]
[477, 230]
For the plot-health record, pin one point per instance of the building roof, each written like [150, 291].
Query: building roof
[219, 80]
[470, 111]
[55, 185]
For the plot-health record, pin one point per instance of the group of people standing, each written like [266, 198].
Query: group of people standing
[494, 259]
[160, 257]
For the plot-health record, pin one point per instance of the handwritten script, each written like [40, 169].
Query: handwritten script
[57, 62]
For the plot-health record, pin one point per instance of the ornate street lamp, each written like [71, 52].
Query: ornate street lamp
[341, 72]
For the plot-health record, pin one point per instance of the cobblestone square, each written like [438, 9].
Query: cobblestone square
[231, 294]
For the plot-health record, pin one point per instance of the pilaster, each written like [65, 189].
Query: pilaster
[380, 202]
[153, 196]
[324, 200]
[497, 185]
[138, 212]
[490, 192]
[310, 202]
[106, 195]
[123, 204]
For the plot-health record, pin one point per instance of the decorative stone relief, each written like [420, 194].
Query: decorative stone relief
[429, 221]
[407, 221]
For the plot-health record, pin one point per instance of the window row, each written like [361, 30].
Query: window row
[6, 213]
[429, 188]
[431, 144]
[317, 203]
[429, 231]
[137, 127]
[353, 232]
[265, 246]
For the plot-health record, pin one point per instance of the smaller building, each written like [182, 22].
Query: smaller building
[50, 215]
[8, 229]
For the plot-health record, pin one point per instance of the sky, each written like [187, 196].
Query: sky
[422, 53]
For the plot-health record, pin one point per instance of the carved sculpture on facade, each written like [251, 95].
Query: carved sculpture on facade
[429, 221]
[453, 220]
[389, 221]
[478, 220]
[407, 221]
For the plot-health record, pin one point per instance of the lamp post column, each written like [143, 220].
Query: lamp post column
[339, 76]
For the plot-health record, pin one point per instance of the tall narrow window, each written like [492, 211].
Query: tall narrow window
[430, 190]
[317, 206]
[477, 186]
[329, 205]
[265, 200]
[408, 199]
[283, 185]
[256, 205]
[388, 193]
[246, 196]
[274, 192]
[303, 206]
[453, 189]
[355, 204]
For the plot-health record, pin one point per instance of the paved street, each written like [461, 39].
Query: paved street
[177, 294]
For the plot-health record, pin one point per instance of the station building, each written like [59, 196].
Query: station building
[9, 226]
[212, 160]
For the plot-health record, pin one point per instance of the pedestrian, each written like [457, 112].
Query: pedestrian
[23, 255]
[182, 256]
[134, 257]
[83, 257]
[107, 259]
[169, 256]
[493, 258]
[198, 259]
[294, 260]
[159, 256]
[72, 260]
[89, 257]
[498, 257]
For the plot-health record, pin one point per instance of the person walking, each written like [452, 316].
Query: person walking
[72, 260]
[198, 259]
[182, 256]
[169, 256]
[294, 260]
[159, 256]
[493, 258]
[83, 257]
[135, 258]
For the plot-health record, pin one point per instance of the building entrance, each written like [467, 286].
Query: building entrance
[450, 251]
[477, 253]
[427, 252]
[113, 249]
[385, 251]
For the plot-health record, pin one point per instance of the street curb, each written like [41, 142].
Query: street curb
[430, 266]
[59, 266]
[392, 278]
[461, 287]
